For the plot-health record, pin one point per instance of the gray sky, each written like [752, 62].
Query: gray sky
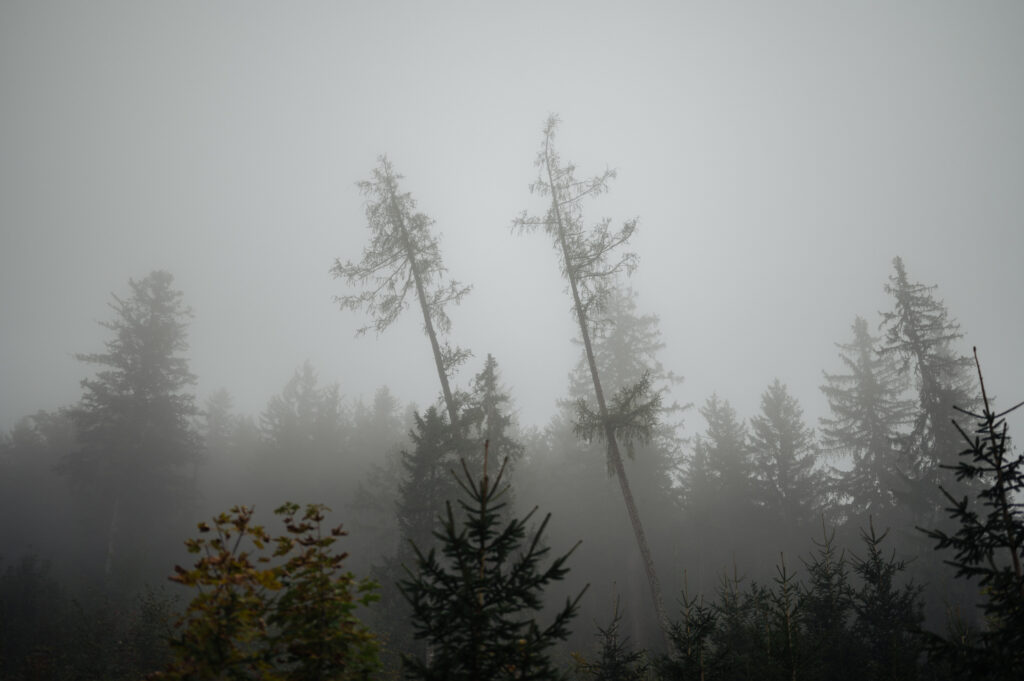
[778, 156]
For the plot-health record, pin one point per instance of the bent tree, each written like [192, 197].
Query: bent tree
[591, 262]
[403, 260]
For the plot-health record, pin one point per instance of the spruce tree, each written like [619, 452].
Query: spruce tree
[868, 412]
[919, 333]
[785, 457]
[477, 603]
[488, 412]
[616, 659]
[887, 614]
[426, 482]
[137, 445]
[719, 495]
[988, 543]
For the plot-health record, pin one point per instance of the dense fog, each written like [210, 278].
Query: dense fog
[663, 255]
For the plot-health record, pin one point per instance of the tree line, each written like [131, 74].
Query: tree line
[126, 470]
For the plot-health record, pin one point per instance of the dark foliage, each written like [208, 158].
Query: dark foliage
[988, 544]
[476, 603]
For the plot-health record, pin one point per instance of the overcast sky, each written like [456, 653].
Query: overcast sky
[777, 154]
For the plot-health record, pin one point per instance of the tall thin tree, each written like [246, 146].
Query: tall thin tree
[403, 259]
[591, 262]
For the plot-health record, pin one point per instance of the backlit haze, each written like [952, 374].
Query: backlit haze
[778, 155]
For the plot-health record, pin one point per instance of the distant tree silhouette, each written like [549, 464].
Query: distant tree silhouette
[920, 335]
[868, 412]
[487, 412]
[134, 426]
[785, 458]
[403, 260]
[591, 260]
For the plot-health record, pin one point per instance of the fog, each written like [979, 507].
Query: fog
[778, 157]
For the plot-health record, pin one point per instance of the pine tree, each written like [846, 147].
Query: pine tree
[488, 413]
[887, 615]
[136, 440]
[921, 336]
[303, 428]
[692, 657]
[591, 261]
[727, 451]
[477, 603]
[868, 414]
[427, 482]
[616, 659]
[827, 607]
[719, 495]
[785, 456]
[403, 260]
[989, 542]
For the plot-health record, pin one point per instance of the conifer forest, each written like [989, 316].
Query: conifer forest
[542, 341]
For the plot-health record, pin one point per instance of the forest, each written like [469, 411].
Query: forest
[147, 535]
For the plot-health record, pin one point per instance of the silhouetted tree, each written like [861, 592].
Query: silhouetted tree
[920, 335]
[868, 412]
[591, 261]
[427, 481]
[719, 495]
[887, 614]
[785, 455]
[303, 430]
[826, 613]
[488, 412]
[134, 422]
[403, 259]
[988, 543]
[616, 659]
[477, 603]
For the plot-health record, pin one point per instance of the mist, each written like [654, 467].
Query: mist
[777, 158]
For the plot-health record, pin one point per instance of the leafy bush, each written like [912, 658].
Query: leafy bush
[285, 616]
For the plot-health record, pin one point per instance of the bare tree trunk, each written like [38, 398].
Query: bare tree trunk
[108, 563]
[614, 456]
[428, 322]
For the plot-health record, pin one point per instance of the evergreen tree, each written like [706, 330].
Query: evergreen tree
[989, 543]
[304, 421]
[719, 496]
[427, 481]
[403, 259]
[591, 261]
[134, 422]
[219, 422]
[692, 655]
[476, 604]
[616, 660]
[887, 615]
[725, 449]
[303, 429]
[785, 455]
[488, 412]
[827, 607]
[868, 412]
[921, 336]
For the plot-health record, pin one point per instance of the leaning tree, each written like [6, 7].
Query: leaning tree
[591, 262]
[402, 261]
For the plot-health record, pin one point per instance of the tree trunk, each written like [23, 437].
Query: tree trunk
[108, 563]
[614, 456]
[428, 322]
